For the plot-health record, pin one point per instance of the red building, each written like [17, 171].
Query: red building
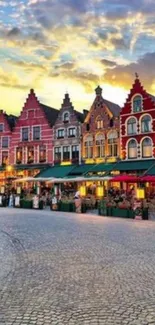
[32, 136]
[137, 124]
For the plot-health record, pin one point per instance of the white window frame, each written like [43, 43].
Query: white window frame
[36, 126]
[135, 95]
[64, 115]
[3, 128]
[72, 127]
[141, 150]
[5, 136]
[29, 129]
[140, 123]
[126, 126]
[58, 132]
[127, 149]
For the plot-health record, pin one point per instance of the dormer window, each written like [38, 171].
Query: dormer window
[66, 117]
[137, 104]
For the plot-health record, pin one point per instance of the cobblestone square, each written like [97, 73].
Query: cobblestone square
[59, 268]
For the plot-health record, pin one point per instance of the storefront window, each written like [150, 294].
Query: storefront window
[100, 146]
[147, 148]
[30, 155]
[75, 152]
[57, 154]
[19, 155]
[66, 153]
[42, 154]
[132, 149]
[5, 158]
[113, 144]
[146, 124]
[132, 126]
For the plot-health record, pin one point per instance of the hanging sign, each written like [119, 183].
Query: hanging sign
[17, 201]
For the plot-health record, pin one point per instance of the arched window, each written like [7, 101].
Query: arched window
[131, 126]
[146, 123]
[66, 117]
[100, 145]
[113, 144]
[88, 146]
[147, 148]
[132, 149]
[137, 103]
[99, 122]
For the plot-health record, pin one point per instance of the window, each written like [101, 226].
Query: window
[72, 132]
[1, 127]
[137, 103]
[99, 123]
[61, 133]
[66, 117]
[30, 155]
[131, 126]
[5, 158]
[19, 155]
[147, 148]
[88, 147]
[25, 134]
[5, 142]
[75, 152]
[132, 149]
[57, 154]
[36, 133]
[100, 146]
[66, 153]
[112, 144]
[42, 154]
[87, 127]
[146, 124]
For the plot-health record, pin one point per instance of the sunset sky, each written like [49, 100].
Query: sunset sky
[56, 46]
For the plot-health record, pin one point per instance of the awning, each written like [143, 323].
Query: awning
[56, 172]
[102, 167]
[134, 165]
[31, 166]
[79, 179]
[81, 169]
[151, 171]
[148, 178]
[125, 178]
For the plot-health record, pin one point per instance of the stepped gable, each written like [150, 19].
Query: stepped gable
[68, 104]
[113, 108]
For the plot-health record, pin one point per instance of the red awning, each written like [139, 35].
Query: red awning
[125, 178]
[148, 178]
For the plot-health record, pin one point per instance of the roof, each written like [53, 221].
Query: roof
[114, 108]
[80, 116]
[152, 97]
[11, 119]
[56, 171]
[50, 113]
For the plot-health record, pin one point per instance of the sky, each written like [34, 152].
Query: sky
[59, 46]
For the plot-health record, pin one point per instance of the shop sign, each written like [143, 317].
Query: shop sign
[36, 202]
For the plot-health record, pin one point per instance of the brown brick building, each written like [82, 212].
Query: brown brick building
[100, 131]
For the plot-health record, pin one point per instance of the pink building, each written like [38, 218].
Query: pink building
[32, 136]
[7, 122]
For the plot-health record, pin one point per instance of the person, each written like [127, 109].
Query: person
[78, 202]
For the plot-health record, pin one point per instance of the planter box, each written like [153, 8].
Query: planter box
[26, 204]
[145, 214]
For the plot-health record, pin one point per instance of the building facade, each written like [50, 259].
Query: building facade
[7, 123]
[100, 131]
[137, 124]
[31, 141]
[67, 134]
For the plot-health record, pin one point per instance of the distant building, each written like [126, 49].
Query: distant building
[7, 123]
[100, 131]
[67, 134]
[137, 124]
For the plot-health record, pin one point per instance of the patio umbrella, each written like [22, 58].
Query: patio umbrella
[148, 178]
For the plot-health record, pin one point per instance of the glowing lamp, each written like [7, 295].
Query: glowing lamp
[83, 190]
[140, 193]
[100, 191]
[9, 168]
[65, 163]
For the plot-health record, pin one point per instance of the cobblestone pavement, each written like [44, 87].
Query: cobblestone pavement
[59, 268]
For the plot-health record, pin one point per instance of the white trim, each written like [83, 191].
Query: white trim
[5, 136]
[141, 151]
[72, 127]
[127, 151]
